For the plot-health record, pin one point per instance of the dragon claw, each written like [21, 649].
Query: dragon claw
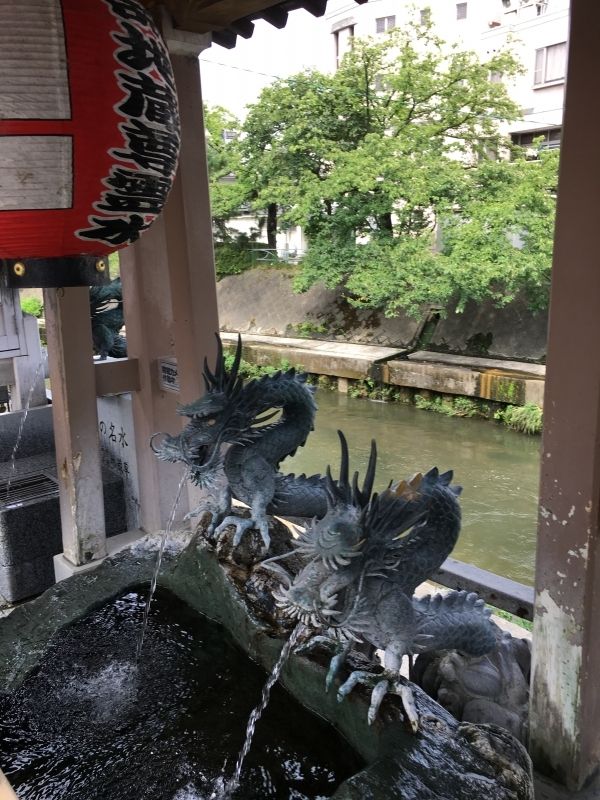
[356, 677]
[380, 686]
[242, 525]
[379, 692]
[334, 666]
[263, 527]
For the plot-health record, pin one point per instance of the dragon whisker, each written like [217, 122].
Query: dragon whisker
[279, 571]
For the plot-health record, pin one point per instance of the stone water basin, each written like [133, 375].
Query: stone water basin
[445, 759]
[90, 723]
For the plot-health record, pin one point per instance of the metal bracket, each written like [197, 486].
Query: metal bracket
[48, 273]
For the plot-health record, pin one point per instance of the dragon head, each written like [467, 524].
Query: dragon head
[321, 594]
[362, 539]
[301, 598]
[212, 420]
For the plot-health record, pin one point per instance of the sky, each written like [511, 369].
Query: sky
[234, 78]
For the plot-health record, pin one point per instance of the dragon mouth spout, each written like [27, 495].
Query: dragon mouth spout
[169, 449]
[294, 605]
[198, 456]
[299, 598]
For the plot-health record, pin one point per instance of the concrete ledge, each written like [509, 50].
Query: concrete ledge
[435, 377]
[513, 382]
[481, 364]
[63, 568]
[498, 384]
[318, 357]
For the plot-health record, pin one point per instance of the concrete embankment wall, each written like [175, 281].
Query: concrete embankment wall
[486, 353]
[262, 301]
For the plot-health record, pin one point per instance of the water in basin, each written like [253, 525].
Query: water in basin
[89, 723]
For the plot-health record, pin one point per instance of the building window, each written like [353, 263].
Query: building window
[461, 11]
[550, 64]
[550, 138]
[425, 14]
[541, 7]
[343, 42]
[383, 24]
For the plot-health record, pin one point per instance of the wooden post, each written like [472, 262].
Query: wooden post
[169, 291]
[29, 372]
[565, 697]
[70, 357]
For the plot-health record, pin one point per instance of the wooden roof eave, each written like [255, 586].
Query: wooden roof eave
[228, 19]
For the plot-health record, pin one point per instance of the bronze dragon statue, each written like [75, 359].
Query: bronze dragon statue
[233, 446]
[364, 560]
[106, 310]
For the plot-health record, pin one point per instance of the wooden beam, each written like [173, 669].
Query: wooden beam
[226, 39]
[243, 27]
[169, 294]
[202, 16]
[316, 7]
[70, 358]
[511, 596]
[565, 696]
[275, 16]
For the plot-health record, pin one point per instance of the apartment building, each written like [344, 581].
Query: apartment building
[537, 31]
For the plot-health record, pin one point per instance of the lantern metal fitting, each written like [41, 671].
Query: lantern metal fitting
[27, 273]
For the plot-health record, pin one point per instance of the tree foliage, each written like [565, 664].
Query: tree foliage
[500, 244]
[389, 166]
[227, 193]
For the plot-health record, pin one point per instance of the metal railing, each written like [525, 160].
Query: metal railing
[268, 255]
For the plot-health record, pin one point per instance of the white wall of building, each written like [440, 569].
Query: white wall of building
[541, 100]
[484, 26]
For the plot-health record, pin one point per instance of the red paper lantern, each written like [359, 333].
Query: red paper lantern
[89, 129]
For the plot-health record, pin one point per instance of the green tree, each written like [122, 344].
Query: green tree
[284, 148]
[223, 156]
[397, 145]
[500, 244]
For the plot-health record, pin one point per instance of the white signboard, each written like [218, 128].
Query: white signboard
[168, 376]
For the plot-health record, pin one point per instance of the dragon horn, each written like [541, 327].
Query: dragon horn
[355, 490]
[330, 487]
[209, 378]
[220, 364]
[233, 374]
[370, 474]
[344, 462]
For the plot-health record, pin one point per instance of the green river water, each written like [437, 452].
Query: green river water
[497, 468]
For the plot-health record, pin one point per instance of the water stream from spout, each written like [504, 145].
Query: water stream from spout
[159, 557]
[287, 648]
[25, 412]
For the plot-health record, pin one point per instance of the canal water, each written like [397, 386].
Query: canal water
[497, 468]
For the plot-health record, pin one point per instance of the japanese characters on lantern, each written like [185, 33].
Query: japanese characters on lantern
[89, 129]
